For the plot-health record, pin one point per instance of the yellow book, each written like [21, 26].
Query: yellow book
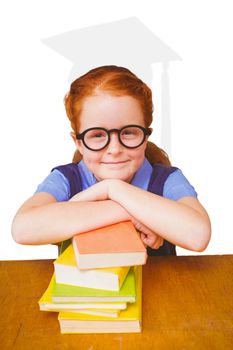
[129, 320]
[97, 308]
[67, 272]
[98, 312]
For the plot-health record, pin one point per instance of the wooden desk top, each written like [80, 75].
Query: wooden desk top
[187, 304]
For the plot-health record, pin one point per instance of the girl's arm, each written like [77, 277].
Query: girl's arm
[43, 220]
[184, 222]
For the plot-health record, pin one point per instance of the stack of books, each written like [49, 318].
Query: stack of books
[97, 282]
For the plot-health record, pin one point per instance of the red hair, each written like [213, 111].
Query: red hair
[117, 81]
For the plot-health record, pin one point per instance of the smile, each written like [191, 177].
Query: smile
[115, 163]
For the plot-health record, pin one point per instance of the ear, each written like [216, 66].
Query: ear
[151, 130]
[73, 136]
[78, 143]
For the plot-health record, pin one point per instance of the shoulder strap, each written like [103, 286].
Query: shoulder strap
[159, 176]
[71, 172]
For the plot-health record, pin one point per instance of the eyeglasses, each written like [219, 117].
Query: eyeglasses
[130, 136]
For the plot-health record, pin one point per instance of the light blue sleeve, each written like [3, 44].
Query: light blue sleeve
[177, 186]
[57, 185]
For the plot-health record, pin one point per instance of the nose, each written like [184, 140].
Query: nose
[114, 146]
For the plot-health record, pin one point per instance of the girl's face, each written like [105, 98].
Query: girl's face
[111, 112]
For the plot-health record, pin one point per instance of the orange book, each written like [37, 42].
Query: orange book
[114, 245]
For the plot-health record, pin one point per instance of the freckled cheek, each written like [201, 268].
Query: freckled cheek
[92, 158]
[137, 154]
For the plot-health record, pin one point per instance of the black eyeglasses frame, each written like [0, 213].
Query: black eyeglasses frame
[146, 132]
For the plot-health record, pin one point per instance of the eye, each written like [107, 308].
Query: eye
[96, 134]
[130, 132]
[127, 132]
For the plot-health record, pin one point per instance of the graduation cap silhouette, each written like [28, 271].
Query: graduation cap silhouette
[126, 42]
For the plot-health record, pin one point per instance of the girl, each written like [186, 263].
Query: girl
[116, 175]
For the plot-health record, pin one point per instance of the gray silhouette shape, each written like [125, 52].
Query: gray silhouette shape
[127, 42]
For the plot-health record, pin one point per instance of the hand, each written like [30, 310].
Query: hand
[97, 192]
[148, 237]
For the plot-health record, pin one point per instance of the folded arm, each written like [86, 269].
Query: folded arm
[184, 222]
[43, 220]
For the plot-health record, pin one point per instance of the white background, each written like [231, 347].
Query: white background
[34, 132]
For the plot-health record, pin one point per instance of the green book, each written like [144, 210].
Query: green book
[63, 246]
[98, 309]
[67, 293]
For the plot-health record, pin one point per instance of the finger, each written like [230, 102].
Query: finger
[158, 243]
[143, 236]
[149, 243]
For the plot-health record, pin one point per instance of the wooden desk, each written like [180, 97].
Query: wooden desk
[187, 304]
